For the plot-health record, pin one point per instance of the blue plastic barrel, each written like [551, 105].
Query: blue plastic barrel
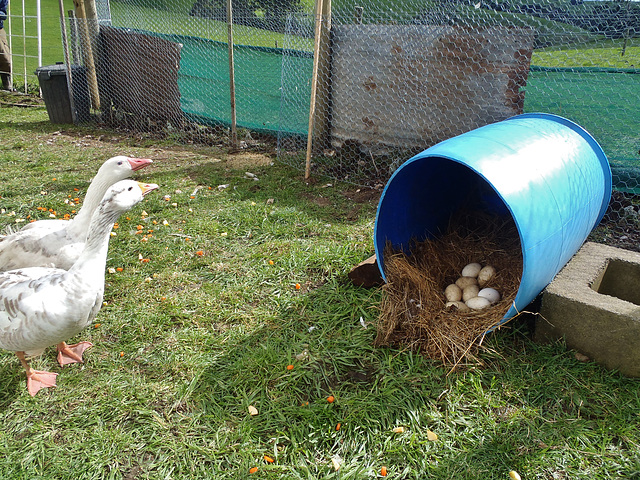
[547, 172]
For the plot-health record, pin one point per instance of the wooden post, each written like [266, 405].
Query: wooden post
[85, 34]
[232, 81]
[314, 86]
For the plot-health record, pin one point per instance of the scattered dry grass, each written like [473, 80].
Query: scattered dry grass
[413, 310]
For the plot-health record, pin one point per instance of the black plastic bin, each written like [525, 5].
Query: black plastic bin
[55, 92]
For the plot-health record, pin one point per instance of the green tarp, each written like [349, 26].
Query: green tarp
[596, 99]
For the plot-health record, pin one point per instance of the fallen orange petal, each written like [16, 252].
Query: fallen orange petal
[331, 399]
[268, 459]
[298, 286]
[253, 469]
[383, 471]
[289, 367]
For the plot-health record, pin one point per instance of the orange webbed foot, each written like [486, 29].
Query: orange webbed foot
[71, 353]
[37, 379]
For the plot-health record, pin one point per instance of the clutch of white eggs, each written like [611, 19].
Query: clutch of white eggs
[469, 291]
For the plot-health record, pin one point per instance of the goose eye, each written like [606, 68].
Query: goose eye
[130, 188]
[120, 162]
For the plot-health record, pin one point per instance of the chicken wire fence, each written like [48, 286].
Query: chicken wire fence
[394, 85]
[392, 78]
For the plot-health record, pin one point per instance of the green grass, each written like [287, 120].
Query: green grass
[187, 342]
[24, 43]
[602, 53]
[588, 51]
[181, 23]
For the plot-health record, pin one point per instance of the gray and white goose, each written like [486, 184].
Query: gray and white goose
[40, 307]
[58, 243]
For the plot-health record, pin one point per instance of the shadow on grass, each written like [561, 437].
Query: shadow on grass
[11, 381]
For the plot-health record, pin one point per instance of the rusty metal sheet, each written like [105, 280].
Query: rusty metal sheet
[139, 74]
[413, 86]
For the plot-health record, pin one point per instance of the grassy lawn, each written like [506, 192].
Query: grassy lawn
[598, 53]
[603, 53]
[190, 339]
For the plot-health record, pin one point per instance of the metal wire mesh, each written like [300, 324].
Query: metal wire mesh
[393, 78]
[400, 82]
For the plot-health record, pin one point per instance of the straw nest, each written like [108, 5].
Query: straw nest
[413, 311]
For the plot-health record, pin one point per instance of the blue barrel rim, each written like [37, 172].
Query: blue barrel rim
[462, 160]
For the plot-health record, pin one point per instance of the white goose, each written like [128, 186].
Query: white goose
[40, 307]
[58, 243]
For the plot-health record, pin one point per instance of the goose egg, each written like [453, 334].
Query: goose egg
[471, 270]
[476, 303]
[490, 294]
[460, 306]
[485, 275]
[463, 282]
[470, 291]
[453, 293]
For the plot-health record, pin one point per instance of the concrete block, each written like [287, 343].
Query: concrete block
[594, 303]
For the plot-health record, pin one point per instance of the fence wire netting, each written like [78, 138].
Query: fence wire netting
[395, 85]
[390, 78]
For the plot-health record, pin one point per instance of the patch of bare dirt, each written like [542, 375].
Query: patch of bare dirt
[620, 226]
[318, 200]
[18, 99]
[244, 160]
[364, 195]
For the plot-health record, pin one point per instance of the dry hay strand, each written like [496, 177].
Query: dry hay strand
[413, 311]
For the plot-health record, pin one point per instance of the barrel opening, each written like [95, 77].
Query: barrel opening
[532, 186]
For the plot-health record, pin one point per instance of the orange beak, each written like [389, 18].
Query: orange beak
[138, 163]
[147, 187]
